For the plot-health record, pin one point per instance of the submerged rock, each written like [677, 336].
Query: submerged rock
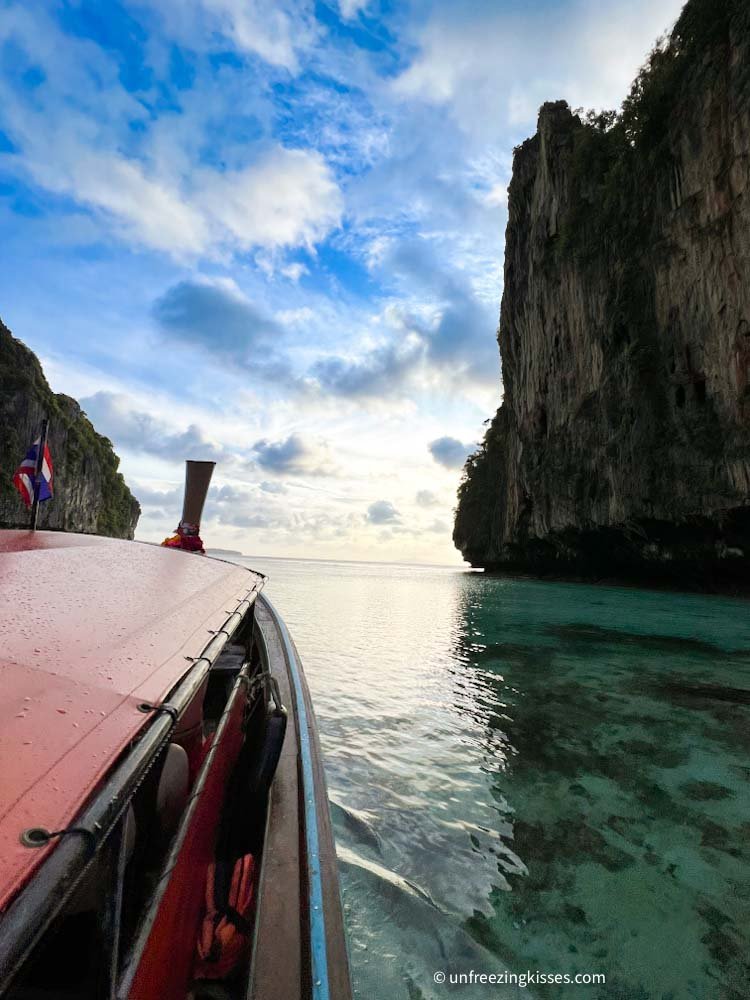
[622, 447]
[90, 494]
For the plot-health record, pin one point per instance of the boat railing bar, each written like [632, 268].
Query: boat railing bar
[115, 860]
[52, 885]
[260, 639]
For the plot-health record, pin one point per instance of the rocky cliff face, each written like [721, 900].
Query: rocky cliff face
[623, 442]
[90, 494]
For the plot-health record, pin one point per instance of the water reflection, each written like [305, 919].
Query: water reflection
[530, 775]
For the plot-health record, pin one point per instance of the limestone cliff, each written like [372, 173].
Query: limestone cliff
[622, 445]
[90, 494]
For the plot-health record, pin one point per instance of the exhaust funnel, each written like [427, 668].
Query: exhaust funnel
[197, 480]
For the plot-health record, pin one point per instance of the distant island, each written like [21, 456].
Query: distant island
[90, 495]
[622, 445]
[223, 552]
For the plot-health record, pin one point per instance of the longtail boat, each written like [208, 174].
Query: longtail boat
[164, 822]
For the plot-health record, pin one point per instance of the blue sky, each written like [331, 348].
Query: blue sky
[272, 235]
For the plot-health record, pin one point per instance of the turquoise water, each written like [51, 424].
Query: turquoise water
[531, 776]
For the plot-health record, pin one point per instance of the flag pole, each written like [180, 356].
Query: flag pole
[38, 473]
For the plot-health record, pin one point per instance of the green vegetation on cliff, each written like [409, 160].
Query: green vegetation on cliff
[623, 162]
[90, 494]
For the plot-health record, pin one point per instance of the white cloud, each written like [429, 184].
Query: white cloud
[294, 271]
[74, 136]
[497, 195]
[263, 28]
[114, 415]
[296, 455]
[295, 317]
[450, 452]
[382, 512]
[142, 210]
[289, 197]
[494, 68]
[276, 32]
[426, 498]
[349, 9]
[271, 487]
[440, 528]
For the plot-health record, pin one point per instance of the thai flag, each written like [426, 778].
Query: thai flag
[23, 480]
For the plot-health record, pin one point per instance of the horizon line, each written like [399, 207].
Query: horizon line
[366, 562]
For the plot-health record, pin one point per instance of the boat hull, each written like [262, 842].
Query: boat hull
[304, 957]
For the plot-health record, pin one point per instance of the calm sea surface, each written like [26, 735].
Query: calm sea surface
[531, 776]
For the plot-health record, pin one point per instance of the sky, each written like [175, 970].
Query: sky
[271, 235]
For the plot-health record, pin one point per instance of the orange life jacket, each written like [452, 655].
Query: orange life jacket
[224, 935]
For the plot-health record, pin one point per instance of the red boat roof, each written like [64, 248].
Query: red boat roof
[89, 628]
